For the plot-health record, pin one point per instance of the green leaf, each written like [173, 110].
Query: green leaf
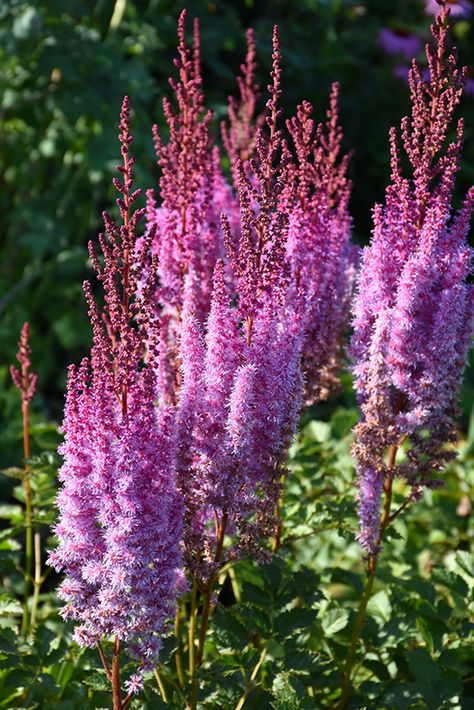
[465, 561]
[13, 472]
[379, 605]
[287, 691]
[97, 681]
[423, 627]
[9, 606]
[334, 620]
[318, 431]
[422, 666]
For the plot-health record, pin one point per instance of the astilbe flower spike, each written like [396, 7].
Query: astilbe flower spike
[120, 518]
[413, 314]
[26, 381]
[23, 379]
[241, 374]
[319, 249]
[244, 123]
[193, 193]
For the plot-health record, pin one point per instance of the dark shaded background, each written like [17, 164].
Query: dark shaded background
[64, 68]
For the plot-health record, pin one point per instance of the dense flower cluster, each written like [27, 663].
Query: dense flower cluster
[241, 374]
[413, 314]
[318, 246]
[120, 516]
[23, 379]
[193, 193]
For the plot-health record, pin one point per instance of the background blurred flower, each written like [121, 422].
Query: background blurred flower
[457, 8]
[399, 41]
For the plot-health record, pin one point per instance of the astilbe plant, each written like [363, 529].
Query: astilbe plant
[318, 247]
[241, 377]
[26, 381]
[322, 258]
[186, 217]
[243, 123]
[119, 528]
[413, 313]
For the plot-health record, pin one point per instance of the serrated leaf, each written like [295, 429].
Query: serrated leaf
[334, 620]
[97, 681]
[465, 561]
[10, 512]
[287, 691]
[379, 605]
[9, 606]
[13, 472]
[293, 621]
[424, 628]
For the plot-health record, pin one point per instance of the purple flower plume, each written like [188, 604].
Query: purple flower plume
[240, 133]
[193, 193]
[241, 372]
[318, 246]
[413, 314]
[120, 521]
[23, 379]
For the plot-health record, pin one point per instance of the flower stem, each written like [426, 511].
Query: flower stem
[116, 687]
[206, 614]
[37, 582]
[28, 515]
[179, 650]
[161, 687]
[372, 562]
[250, 684]
[192, 630]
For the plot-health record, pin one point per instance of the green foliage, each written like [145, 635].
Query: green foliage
[280, 631]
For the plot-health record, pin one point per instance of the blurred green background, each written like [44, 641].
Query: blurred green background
[64, 68]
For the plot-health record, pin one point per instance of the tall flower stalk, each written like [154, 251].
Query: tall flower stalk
[413, 314]
[241, 381]
[319, 249]
[26, 382]
[120, 516]
[185, 216]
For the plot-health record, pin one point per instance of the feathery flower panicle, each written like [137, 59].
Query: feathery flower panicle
[244, 123]
[23, 379]
[120, 516]
[413, 314]
[318, 247]
[241, 374]
[193, 193]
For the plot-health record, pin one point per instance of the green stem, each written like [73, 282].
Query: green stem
[28, 517]
[346, 679]
[250, 684]
[37, 582]
[206, 613]
[179, 650]
[161, 687]
[192, 647]
[372, 562]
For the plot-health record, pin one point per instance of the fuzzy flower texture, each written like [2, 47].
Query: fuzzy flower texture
[120, 516]
[413, 313]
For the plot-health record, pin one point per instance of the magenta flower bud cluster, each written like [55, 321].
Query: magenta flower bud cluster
[413, 314]
[241, 374]
[23, 379]
[120, 519]
[323, 260]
